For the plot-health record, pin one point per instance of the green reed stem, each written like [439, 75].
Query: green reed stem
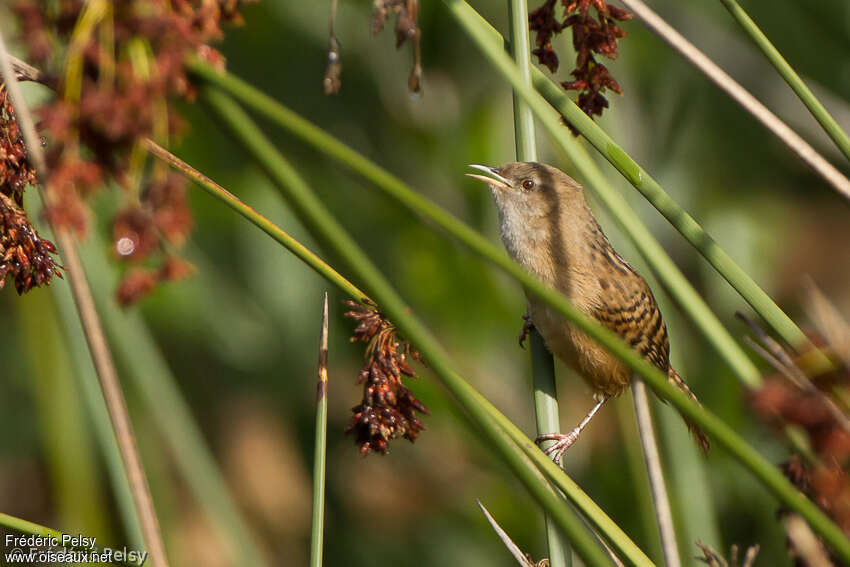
[267, 226]
[824, 118]
[320, 446]
[542, 364]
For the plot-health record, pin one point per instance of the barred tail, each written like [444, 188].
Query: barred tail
[699, 436]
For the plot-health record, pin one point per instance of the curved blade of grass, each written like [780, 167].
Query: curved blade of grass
[291, 244]
[320, 446]
[331, 234]
[542, 364]
[824, 118]
[678, 285]
[506, 539]
[325, 227]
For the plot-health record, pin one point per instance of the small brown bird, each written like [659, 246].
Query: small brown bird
[548, 228]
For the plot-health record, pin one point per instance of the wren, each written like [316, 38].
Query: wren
[548, 228]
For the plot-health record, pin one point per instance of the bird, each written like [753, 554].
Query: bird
[547, 226]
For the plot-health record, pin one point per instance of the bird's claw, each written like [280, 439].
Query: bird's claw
[563, 441]
[527, 327]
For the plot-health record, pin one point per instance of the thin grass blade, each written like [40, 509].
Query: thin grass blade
[821, 114]
[506, 539]
[317, 532]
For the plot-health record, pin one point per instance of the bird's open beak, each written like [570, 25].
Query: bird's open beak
[492, 178]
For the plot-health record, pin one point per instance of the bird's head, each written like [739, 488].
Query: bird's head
[525, 191]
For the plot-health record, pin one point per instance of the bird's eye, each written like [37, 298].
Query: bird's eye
[528, 184]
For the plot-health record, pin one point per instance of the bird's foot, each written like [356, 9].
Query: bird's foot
[563, 441]
[527, 327]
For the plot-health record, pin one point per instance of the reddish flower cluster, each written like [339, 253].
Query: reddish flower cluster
[24, 256]
[140, 281]
[406, 27]
[15, 171]
[591, 37]
[804, 401]
[118, 68]
[388, 409]
[781, 404]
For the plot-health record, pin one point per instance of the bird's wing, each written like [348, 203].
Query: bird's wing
[626, 306]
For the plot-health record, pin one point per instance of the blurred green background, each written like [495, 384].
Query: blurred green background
[241, 335]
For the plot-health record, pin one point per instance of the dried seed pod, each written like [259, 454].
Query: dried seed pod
[388, 409]
[25, 257]
[16, 173]
[591, 37]
[791, 396]
[406, 28]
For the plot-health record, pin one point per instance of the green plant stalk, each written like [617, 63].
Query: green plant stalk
[524, 136]
[547, 421]
[26, 527]
[146, 367]
[301, 252]
[331, 234]
[320, 446]
[486, 39]
[542, 364]
[824, 118]
[327, 229]
[655, 256]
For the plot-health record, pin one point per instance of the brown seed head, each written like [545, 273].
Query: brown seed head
[388, 409]
[591, 37]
